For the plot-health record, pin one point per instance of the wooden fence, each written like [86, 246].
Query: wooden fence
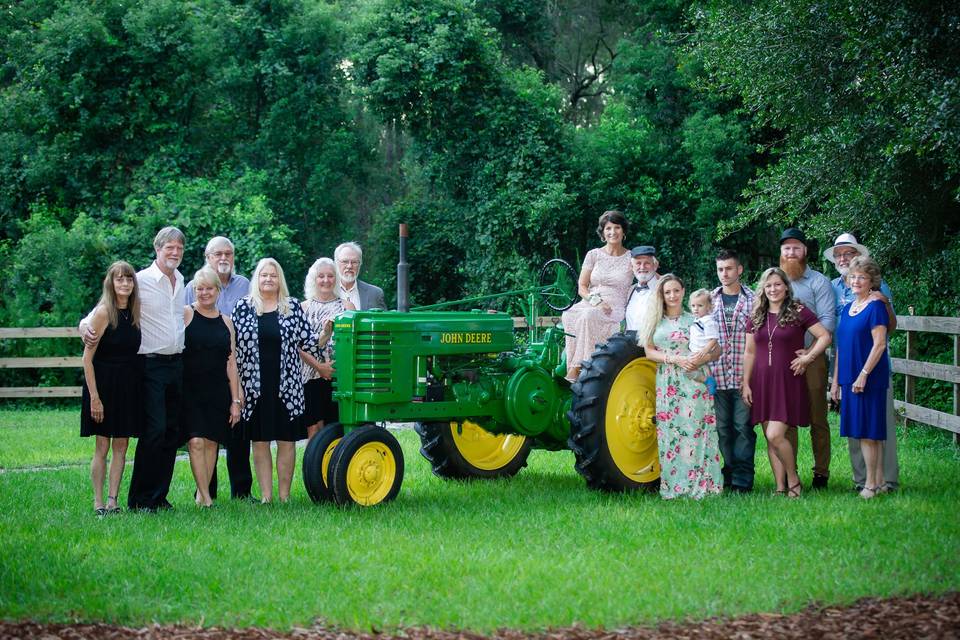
[40, 363]
[913, 369]
[909, 366]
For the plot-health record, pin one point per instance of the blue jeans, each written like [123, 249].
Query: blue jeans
[737, 439]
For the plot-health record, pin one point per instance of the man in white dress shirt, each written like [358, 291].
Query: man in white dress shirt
[645, 265]
[161, 343]
[349, 258]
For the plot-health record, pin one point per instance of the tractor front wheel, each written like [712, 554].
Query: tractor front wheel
[461, 449]
[613, 431]
[366, 467]
[316, 462]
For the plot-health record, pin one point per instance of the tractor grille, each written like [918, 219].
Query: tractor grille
[372, 367]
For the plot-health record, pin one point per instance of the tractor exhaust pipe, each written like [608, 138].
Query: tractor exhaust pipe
[403, 274]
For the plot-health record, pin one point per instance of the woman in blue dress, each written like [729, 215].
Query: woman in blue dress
[861, 371]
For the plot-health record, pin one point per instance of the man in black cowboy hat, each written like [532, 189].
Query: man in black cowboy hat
[813, 290]
[845, 248]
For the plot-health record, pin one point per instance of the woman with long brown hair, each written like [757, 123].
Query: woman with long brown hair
[112, 403]
[604, 285]
[773, 366]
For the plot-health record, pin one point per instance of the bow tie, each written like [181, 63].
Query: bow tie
[641, 287]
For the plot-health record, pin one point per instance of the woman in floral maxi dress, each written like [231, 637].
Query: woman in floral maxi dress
[686, 422]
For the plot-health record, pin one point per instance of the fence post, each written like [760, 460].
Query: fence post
[908, 380]
[956, 386]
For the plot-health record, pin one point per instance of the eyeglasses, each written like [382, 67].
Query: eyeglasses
[849, 255]
[858, 277]
[349, 263]
[221, 254]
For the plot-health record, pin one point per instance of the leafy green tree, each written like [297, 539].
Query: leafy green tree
[866, 97]
[488, 139]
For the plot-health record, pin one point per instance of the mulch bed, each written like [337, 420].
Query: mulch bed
[879, 618]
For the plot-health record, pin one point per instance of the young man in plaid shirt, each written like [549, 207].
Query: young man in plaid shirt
[732, 304]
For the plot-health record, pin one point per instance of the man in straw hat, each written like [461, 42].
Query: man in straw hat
[845, 248]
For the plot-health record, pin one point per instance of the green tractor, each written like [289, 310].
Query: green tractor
[480, 404]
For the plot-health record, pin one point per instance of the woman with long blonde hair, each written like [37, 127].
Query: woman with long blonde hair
[112, 403]
[774, 362]
[271, 331]
[686, 422]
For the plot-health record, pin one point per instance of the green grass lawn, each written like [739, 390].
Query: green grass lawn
[536, 551]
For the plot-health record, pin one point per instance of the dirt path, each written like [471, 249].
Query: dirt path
[886, 618]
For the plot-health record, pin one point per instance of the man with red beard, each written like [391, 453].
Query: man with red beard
[814, 290]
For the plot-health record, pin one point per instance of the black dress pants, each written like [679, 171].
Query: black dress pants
[160, 436]
[238, 465]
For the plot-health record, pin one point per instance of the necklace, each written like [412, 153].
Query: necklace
[770, 335]
[858, 306]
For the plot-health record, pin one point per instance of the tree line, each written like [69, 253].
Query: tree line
[499, 130]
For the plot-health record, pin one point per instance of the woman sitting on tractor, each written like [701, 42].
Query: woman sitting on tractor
[604, 285]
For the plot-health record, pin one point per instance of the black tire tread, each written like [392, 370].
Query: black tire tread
[446, 461]
[344, 451]
[588, 413]
[313, 462]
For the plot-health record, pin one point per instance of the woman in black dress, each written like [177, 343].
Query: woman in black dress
[321, 305]
[211, 400]
[112, 403]
[271, 331]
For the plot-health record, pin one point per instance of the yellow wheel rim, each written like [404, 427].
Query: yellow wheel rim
[325, 463]
[629, 424]
[483, 449]
[371, 473]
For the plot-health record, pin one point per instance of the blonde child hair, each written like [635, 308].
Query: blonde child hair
[701, 293]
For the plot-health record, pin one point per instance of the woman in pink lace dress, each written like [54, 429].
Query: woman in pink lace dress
[604, 285]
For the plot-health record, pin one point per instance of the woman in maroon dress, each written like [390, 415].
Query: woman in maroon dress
[774, 362]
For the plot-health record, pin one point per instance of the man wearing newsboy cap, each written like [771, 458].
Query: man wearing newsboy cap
[845, 248]
[645, 265]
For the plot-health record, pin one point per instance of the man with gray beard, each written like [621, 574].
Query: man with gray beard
[813, 290]
[221, 256]
[645, 264]
[349, 258]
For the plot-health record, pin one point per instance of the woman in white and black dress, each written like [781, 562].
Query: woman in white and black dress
[211, 399]
[271, 332]
[112, 403]
[322, 303]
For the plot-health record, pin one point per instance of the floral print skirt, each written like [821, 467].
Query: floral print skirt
[686, 436]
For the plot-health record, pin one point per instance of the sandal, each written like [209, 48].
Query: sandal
[869, 492]
[100, 512]
[780, 492]
[794, 490]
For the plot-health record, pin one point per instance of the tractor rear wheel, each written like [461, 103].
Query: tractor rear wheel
[316, 462]
[366, 467]
[463, 449]
[613, 432]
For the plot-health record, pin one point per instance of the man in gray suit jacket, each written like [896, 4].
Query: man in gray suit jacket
[349, 258]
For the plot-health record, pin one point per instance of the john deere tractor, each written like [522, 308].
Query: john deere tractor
[479, 402]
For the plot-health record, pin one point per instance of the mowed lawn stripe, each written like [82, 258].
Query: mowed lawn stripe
[535, 551]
